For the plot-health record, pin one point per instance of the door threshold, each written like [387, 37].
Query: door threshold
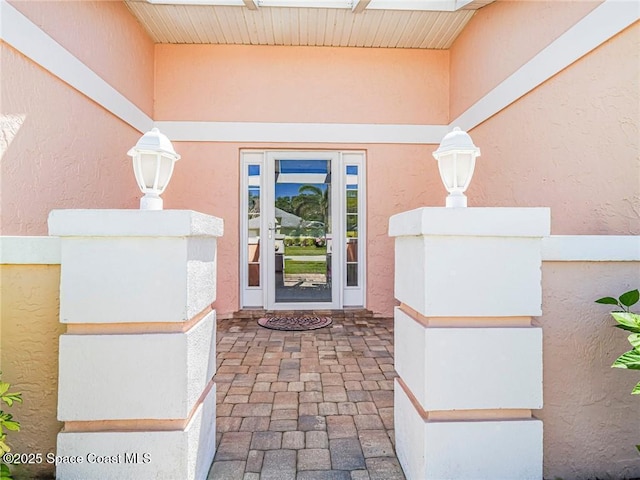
[351, 312]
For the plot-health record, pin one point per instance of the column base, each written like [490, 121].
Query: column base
[139, 455]
[465, 450]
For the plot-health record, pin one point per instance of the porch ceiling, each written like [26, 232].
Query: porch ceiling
[200, 21]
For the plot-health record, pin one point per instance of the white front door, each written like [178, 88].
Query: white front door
[302, 227]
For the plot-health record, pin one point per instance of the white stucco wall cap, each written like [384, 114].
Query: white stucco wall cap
[591, 248]
[133, 223]
[478, 222]
[29, 250]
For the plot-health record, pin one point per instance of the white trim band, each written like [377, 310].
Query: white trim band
[29, 251]
[26, 37]
[260, 132]
[604, 22]
[555, 248]
[591, 248]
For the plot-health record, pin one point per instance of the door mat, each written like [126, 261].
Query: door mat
[294, 323]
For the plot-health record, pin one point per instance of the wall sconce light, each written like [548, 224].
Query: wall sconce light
[153, 162]
[456, 158]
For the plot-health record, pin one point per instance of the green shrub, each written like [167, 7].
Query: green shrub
[7, 423]
[630, 322]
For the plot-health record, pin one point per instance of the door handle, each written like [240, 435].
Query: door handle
[271, 228]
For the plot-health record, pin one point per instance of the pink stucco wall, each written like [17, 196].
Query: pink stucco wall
[400, 177]
[63, 150]
[301, 84]
[105, 37]
[591, 420]
[67, 153]
[571, 144]
[502, 37]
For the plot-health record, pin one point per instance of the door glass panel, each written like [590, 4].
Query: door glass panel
[352, 275]
[352, 195]
[302, 236]
[352, 225]
[253, 226]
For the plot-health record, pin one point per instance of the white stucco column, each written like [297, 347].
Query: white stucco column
[136, 364]
[468, 355]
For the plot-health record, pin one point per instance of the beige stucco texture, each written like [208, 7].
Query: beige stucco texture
[29, 331]
[591, 420]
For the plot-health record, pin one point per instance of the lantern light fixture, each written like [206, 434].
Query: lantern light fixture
[456, 158]
[153, 161]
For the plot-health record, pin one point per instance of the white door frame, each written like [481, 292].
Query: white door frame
[263, 295]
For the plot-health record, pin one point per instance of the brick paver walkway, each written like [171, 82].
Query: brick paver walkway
[314, 405]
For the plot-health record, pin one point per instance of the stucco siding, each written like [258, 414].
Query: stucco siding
[301, 84]
[29, 331]
[571, 144]
[502, 37]
[591, 420]
[63, 150]
[105, 37]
